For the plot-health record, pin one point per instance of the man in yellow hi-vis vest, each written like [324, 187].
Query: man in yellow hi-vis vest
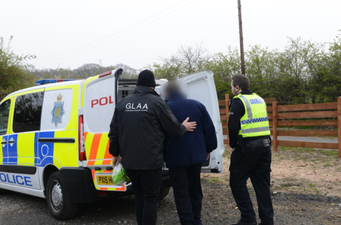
[251, 152]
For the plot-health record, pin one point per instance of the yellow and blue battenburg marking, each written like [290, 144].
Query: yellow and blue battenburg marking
[12, 149]
[44, 153]
[41, 152]
[9, 150]
[4, 150]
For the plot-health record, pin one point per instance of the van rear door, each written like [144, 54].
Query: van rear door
[99, 97]
[200, 86]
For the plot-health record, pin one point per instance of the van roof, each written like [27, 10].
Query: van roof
[45, 86]
[70, 82]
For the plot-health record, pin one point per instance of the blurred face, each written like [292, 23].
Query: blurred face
[235, 89]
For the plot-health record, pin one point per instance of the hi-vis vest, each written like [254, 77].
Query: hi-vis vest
[255, 121]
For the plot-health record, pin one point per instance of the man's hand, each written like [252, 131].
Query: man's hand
[207, 155]
[116, 159]
[190, 126]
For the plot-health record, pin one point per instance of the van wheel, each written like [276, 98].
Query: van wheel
[164, 192]
[58, 199]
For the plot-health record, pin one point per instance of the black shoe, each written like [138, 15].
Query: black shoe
[244, 223]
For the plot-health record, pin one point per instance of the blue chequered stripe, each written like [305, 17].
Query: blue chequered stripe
[261, 119]
[256, 101]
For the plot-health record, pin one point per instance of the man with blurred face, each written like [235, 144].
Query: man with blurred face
[184, 156]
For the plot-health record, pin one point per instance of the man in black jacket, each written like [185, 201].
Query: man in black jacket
[137, 133]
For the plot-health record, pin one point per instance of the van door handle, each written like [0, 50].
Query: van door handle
[11, 141]
[4, 142]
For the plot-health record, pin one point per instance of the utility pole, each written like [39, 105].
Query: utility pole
[241, 39]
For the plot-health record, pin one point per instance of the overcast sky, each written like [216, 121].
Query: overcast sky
[70, 33]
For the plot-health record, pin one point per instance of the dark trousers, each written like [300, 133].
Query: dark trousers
[187, 193]
[252, 162]
[146, 185]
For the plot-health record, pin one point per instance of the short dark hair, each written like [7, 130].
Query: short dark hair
[242, 81]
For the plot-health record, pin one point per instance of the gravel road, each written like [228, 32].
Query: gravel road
[218, 208]
[306, 190]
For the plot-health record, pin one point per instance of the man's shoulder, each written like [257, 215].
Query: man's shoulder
[155, 98]
[124, 100]
[154, 101]
[192, 102]
[236, 102]
[235, 99]
[185, 101]
[191, 105]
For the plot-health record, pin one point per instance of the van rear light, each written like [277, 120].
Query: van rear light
[105, 74]
[81, 148]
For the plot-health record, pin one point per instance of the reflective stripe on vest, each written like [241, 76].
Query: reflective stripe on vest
[254, 122]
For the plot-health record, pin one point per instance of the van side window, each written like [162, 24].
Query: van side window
[4, 113]
[27, 112]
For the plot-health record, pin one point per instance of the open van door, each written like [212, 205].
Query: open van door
[99, 98]
[200, 86]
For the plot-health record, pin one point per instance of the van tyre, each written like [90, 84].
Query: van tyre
[58, 198]
[163, 193]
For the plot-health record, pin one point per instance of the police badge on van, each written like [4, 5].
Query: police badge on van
[58, 110]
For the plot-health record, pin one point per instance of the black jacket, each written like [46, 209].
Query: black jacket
[138, 128]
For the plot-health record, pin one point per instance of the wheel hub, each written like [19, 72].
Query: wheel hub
[57, 196]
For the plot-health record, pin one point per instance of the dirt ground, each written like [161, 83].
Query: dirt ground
[306, 186]
[307, 171]
[299, 170]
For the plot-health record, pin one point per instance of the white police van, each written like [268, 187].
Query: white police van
[54, 142]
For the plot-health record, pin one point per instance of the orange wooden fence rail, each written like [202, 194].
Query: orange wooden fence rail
[310, 115]
[224, 115]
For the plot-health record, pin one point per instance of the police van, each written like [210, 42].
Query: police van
[54, 138]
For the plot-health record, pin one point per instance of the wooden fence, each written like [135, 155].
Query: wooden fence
[224, 116]
[302, 115]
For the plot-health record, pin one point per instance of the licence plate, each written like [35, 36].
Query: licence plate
[104, 180]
